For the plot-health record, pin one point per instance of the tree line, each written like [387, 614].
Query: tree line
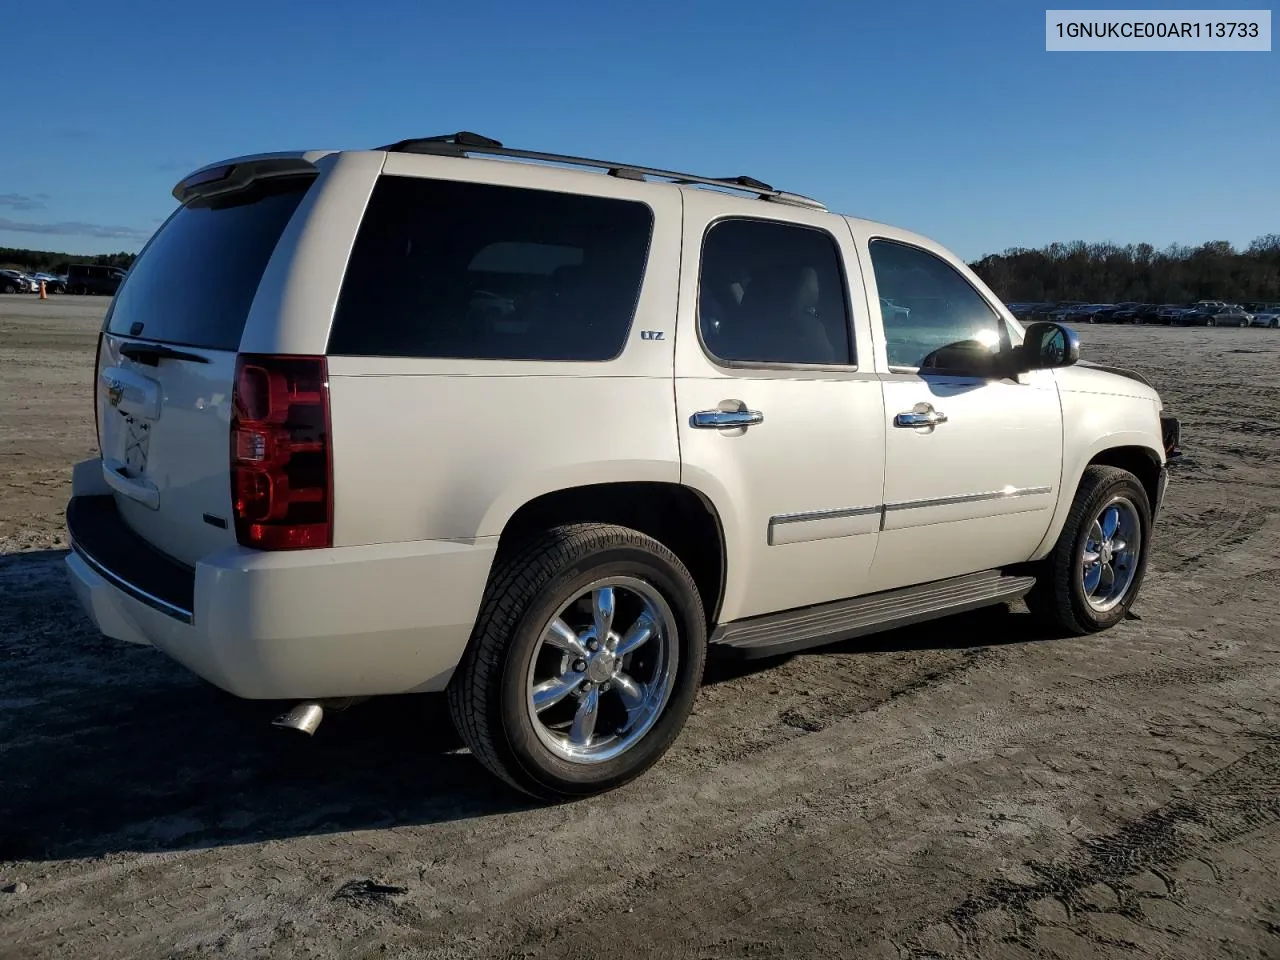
[1091, 272]
[48, 261]
[1107, 273]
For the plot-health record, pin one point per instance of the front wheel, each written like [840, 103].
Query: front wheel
[584, 661]
[1091, 578]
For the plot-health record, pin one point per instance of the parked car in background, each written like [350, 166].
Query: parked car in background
[1026, 311]
[1039, 311]
[1195, 317]
[14, 281]
[1102, 313]
[1213, 316]
[1170, 312]
[1059, 313]
[1232, 315]
[1269, 317]
[94, 278]
[1089, 313]
[1123, 312]
[52, 284]
[1126, 313]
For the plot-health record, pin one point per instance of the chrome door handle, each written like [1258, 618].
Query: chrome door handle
[720, 419]
[920, 418]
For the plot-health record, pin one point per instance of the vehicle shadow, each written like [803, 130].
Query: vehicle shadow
[995, 626]
[106, 747]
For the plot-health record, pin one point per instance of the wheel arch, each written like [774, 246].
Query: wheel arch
[1143, 462]
[1128, 450]
[678, 516]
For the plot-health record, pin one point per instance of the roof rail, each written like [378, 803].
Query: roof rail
[464, 142]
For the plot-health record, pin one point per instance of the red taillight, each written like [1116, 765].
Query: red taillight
[281, 467]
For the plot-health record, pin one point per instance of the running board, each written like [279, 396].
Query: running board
[791, 630]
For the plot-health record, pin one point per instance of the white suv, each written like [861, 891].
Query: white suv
[540, 431]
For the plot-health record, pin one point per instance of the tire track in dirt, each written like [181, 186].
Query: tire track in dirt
[1224, 533]
[740, 880]
[818, 711]
[1231, 804]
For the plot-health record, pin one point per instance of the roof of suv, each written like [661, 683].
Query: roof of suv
[465, 144]
[556, 171]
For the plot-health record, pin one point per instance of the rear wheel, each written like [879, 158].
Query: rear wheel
[584, 662]
[1092, 577]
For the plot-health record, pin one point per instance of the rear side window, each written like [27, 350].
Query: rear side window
[196, 279]
[774, 293]
[448, 269]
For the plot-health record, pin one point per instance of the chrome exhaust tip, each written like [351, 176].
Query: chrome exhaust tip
[305, 718]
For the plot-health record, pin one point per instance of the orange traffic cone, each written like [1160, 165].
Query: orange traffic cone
[43, 295]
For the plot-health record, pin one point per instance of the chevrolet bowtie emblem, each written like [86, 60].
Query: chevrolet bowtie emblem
[115, 392]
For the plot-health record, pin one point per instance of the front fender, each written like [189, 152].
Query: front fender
[1077, 456]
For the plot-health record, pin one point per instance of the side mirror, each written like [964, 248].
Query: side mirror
[1047, 345]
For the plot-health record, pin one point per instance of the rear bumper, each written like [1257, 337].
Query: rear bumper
[340, 622]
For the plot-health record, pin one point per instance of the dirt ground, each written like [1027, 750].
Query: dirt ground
[964, 789]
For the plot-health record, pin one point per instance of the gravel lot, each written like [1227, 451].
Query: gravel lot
[918, 796]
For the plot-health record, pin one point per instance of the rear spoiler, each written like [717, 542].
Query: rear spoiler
[226, 176]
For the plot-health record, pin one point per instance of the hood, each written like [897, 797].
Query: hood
[1087, 377]
[1117, 371]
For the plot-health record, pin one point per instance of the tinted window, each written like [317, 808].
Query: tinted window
[469, 270]
[772, 292]
[931, 314]
[195, 280]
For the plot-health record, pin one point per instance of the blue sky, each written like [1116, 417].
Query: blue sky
[949, 119]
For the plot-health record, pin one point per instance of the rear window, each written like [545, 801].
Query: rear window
[476, 271]
[195, 280]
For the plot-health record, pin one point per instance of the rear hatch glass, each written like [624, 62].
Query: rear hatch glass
[164, 415]
[196, 279]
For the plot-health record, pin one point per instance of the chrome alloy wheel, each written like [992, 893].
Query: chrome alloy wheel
[1109, 562]
[603, 670]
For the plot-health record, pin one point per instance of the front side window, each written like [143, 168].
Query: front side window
[933, 318]
[449, 269]
[771, 292]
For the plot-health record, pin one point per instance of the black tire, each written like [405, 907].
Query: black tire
[10, 288]
[487, 694]
[1058, 599]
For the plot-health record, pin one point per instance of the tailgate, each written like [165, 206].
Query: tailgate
[166, 364]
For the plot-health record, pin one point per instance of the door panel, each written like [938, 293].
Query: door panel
[973, 458]
[768, 327]
[971, 493]
[800, 491]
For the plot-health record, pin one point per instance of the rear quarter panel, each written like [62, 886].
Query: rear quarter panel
[451, 448]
